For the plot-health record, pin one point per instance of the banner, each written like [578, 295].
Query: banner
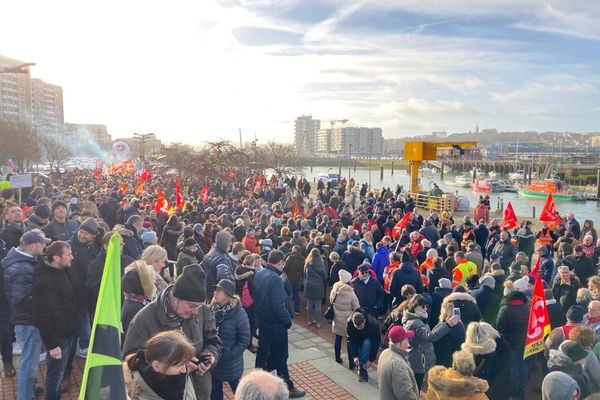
[162, 205]
[539, 321]
[103, 372]
[204, 193]
[510, 218]
[549, 213]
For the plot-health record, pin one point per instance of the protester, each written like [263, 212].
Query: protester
[368, 290]
[315, 286]
[260, 385]
[568, 358]
[363, 339]
[344, 302]
[457, 382]
[396, 378]
[138, 289]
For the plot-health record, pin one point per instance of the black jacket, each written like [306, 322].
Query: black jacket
[370, 331]
[556, 313]
[437, 297]
[60, 231]
[18, 282]
[133, 244]
[11, 234]
[406, 274]
[94, 278]
[370, 295]
[55, 311]
[83, 255]
[513, 319]
[488, 302]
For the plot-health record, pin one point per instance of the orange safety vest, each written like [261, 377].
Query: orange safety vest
[544, 239]
[388, 273]
[463, 271]
[423, 268]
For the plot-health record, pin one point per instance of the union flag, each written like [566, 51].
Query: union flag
[162, 205]
[549, 213]
[539, 321]
[510, 218]
[204, 193]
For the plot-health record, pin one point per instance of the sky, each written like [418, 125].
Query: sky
[200, 70]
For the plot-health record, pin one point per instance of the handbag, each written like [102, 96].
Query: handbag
[330, 312]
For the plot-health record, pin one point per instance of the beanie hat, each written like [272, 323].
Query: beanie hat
[57, 204]
[573, 349]
[488, 281]
[576, 313]
[445, 283]
[345, 276]
[43, 211]
[189, 242]
[30, 202]
[558, 386]
[148, 237]
[191, 285]
[522, 284]
[197, 228]
[90, 225]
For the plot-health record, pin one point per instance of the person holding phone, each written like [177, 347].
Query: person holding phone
[451, 342]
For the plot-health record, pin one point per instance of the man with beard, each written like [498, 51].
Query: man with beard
[60, 228]
[12, 226]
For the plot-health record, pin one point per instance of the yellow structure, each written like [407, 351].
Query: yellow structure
[417, 152]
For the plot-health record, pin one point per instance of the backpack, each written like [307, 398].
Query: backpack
[247, 299]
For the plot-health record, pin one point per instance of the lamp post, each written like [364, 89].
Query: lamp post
[141, 138]
[349, 159]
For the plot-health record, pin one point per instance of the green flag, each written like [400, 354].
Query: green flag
[103, 373]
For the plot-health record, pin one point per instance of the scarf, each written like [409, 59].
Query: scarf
[166, 306]
[168, 387]
[220, 312]
[138, 298]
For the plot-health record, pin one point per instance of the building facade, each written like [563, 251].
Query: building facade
[47, 108]
[306, 134]
[361, 141]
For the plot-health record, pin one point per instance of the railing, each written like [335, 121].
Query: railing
[424, 201]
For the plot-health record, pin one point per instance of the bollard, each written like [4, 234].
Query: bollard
[311, 167]
[442, 172]
[533, 213]
[392, 167]
[381, 173]
[598, 185]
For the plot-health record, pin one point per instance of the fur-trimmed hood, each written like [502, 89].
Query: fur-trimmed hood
[498, 272]
[447, 383]
[123, 231]
[487, 347]
[243, 272]
[459, 296]
[139, 275]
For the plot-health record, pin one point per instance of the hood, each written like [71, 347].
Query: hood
[243, 272]
[139, 279]
[487, 347]
[14, 256]
[454, 297]
[448, 382]
[222, 241]
[558, 386]
[383, 251]
[558, 359]
[407, 267]
[342, 287]
[123, 231]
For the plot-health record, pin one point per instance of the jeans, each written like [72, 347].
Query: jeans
[6, 333]
[217, 388]
[56, 370]
[273, 350]
[313, 307]
[338, 350]
[296, 297]
[29, 338]
[519, 371]
[83, 334]
[365, 352]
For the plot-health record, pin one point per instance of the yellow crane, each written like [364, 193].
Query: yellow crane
[418, 151]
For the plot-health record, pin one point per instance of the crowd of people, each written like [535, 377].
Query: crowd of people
[439, 308]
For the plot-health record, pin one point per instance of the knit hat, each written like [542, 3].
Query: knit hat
[191, 285]
[345, 276]
[445, 283]
[149, 237]
[90, 225]
[406, 257]
[397, 334]
[266, 242]
[43, 211]
[364, 267]
[573, 349]
[227, 286]
[558, 386]
[488, 281]
[576, 313]
[30, 202]
[522, 284]
[189, 242]
[197, 228]
[57, 204]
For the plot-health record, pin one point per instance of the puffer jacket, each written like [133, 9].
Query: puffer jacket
[234, 332]
[344, 302]
[558, 361]
[315, 285]
[217, 258]
[60, 230]
[421, 354]
[294, 268]
[18, 269]
[380, 261]
[368, 249]
[513, 319]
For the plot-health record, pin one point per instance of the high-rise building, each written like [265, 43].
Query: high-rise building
[15, 94]
[305, 134]
[364, 141]
[47, 108]
[324, 141]
[88, 138]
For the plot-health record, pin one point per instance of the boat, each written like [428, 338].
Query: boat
[508, 187]
[519, 175]
[487, 185]
[541, 189]
[493, 174]
[461, 181]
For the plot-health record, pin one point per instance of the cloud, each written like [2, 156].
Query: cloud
[258, 36]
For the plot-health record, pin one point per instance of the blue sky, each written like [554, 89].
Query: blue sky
[203, 70]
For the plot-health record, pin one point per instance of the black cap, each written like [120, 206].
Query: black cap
[189, 242]
[191, 285]
[43, 211]
[573, 350]
[57, 204]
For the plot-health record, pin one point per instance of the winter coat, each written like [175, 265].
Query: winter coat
[526, 241]
[370, 331]
[421, 354]
[547, 267]
[334, 272]
[244, 275]
[396, 378]
[591, 371]
[368, 249]
[488, 302]
[566, 294]
[558, 361]
[370, 295]
[94, 278]
[168, 240]
[434, 275]
[60, 230]
[492, 359]
[513, 319]
[55, 311]
[507, 251]
[249, 243]
[431, 234]
[469, 311]
[500, 277]
[270, 298]
[138, 287]
[184, 259]
[138, 389]
[343, 305]
[448, 344]
[380, 261]
[294, 268]
[11, 234]
[448, 384]
[407, 274]
[83, 255]
[581, 266]
[476, 258]
[34, 222]
[234, 332]
[215, 263]
[133, 244]
[18, 270]
[353, 258]
[556, 313]
[315, 285]
[437, 298]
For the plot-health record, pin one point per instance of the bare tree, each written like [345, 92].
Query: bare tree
[281, 158]
[55, 151]
[20, 142]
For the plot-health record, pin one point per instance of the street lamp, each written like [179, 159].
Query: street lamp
[349, 159]
[142, 140]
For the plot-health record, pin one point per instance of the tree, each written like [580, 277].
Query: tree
[19, 142]
[56, 152]
[281, 158]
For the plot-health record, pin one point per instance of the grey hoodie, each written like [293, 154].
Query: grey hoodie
[558, 386]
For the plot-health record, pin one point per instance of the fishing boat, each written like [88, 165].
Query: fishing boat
[487, 185]
[461, 181]
[508, 187]
[519, 175]
[541, 189]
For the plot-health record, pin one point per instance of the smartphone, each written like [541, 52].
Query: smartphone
[456, 311]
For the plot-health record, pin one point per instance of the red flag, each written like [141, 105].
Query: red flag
[397, 230]
[549, 213]
[539, 321]
[139, 189]
[97, 176]
[145, 175]
[536, 268]
[178, 196]
[204, 193]
[12, 165]
[296, 209]
[162, 205]
[124, 187]
[510, 218]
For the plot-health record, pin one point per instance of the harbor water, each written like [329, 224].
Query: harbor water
[524, 207]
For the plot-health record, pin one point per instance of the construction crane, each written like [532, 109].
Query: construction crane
[417, 152]
[335, 121]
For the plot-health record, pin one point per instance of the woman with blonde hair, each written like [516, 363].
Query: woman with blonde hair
[315, 286]
[233, 329]
[457, 382]
[138, 290]
[159, 370]
[492, 357]
[156, 257]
